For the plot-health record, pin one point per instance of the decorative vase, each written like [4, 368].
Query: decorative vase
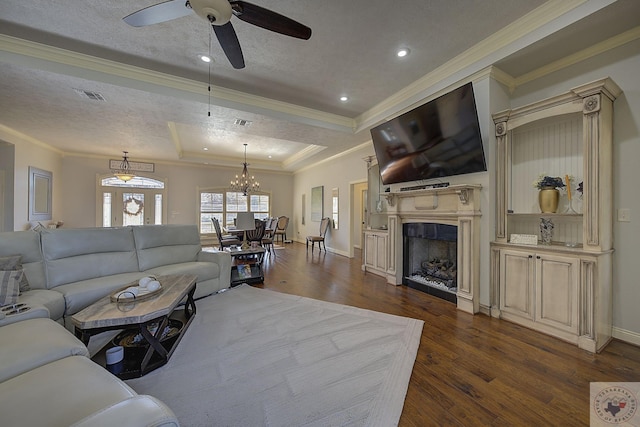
[548, 199]
[546, 231]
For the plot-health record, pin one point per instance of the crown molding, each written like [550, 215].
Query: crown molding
[442, 76]
[13, 135]
[76, 64]
[368, 144]
[597, 49]
[302, 155]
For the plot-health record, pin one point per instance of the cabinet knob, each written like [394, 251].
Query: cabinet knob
[530, 256]
[538, 257]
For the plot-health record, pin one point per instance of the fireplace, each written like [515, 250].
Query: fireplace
[430, 258]
[450, 219]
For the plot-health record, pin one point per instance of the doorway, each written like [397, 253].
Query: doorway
[140, 201]
[358, 216]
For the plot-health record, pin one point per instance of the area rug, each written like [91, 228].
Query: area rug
[254, 357]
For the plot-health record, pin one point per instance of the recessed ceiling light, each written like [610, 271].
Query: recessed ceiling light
[204, 58]
[270, 156]
[403, 52]
[344, 98]
[205, 149]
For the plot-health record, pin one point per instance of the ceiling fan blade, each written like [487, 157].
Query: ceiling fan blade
[269, 20]
[230, 45]
[157, 13]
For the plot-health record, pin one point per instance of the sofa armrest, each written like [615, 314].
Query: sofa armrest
[138, 411]
[34, 312]
[223, 259]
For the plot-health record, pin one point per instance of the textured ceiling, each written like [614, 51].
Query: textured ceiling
[155, 87]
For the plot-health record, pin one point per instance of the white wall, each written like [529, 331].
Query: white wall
[81, 176]
[340, 172]
[622, 65]
[29, 153]
[7, 155]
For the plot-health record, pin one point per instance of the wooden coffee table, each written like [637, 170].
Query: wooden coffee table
[105, 315]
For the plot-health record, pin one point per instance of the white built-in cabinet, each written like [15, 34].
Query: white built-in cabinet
[375, 251]
[375, 237]
[562, 289]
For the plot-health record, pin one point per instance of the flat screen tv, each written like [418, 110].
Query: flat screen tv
[435, 140]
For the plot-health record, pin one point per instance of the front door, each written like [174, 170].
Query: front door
[121, 207]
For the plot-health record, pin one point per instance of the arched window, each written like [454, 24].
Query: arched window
[137, 182]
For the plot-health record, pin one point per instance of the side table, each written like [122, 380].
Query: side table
[247, 273]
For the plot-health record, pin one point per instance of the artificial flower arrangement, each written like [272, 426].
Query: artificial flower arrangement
[548, 181]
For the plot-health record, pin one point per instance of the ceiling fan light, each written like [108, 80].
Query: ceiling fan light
[218, 12]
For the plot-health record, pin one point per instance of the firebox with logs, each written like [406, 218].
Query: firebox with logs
[441, 273]
[429, 259]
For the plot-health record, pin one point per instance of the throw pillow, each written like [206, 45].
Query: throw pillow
[14, 262]
[10, 286]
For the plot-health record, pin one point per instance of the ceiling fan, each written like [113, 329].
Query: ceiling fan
[218, 13]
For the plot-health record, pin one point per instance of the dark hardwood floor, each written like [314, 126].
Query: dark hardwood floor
[470, 370]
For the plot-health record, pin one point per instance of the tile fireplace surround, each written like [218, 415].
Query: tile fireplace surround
[457, 205]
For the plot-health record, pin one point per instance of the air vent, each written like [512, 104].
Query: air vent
[95, 96]
[242, 122]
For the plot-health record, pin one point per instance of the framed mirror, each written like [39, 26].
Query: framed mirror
[334, 206]
[40, 186]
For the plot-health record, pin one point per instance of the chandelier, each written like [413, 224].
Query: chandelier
[124, 173]
[245, 183]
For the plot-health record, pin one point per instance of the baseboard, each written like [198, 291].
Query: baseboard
[626, 336]
[485, 309]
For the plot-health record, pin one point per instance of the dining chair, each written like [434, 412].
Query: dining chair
[267, 239]
[324, 226]
[224, 241]
[257, 233]
[281, 228]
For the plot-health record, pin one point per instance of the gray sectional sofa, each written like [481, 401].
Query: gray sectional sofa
[47, 379]
[69, 269]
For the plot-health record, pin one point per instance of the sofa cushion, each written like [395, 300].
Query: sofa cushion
[60, 393]
[27, 245]
[74, 255]
[83, 293]
[35, 342]
[10, 286]
[166, 244]
[13, 262]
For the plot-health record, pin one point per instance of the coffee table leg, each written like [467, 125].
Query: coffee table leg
[154, 342]
[82, 335]
[190, 305]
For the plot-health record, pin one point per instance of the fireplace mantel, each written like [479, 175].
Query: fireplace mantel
[457, 205]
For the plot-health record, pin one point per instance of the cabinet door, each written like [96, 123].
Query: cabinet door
[381, 252]
[517, 283]
[557, 291]
[370, 250]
